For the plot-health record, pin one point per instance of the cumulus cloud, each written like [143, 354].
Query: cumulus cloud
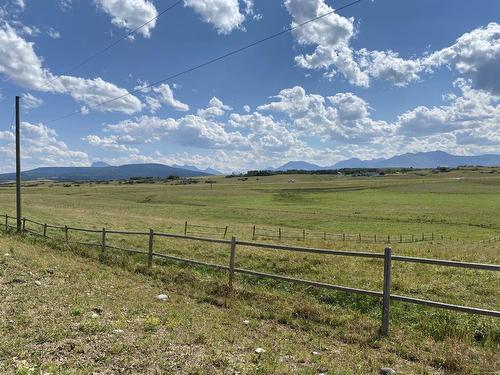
[470, 118]
[41, 147]
[130, 14]
[216, 108]
[190, 130]
[330, 35]
[20, 64]
[477, 54]
[345, 117]
[109, 143]
[224, 15]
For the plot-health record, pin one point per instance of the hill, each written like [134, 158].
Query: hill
[103, 173]
[196, 169]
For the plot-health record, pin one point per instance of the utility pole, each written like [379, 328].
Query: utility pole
[18, 168]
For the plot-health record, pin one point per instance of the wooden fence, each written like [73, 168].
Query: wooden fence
[385, 295]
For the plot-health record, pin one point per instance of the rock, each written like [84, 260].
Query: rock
[50, 270]
[246, 322]
[17, 280]
[97, 310]
[387, 371]
[38, 282]
[118, 331]
[259, 351]
[315, 353]
[94, 316]
[162, 297]
[6, 255]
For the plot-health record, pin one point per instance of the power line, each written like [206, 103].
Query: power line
[211, 61]
[108, 47]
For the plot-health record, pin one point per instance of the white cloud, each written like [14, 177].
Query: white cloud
[190, 130]
[109, 143]
[166, 96]
[20, 64]
[52, 33]
[65, 4]
[331, 35]
[224, 15]
[472, 117]
[40, 147]
[390, 67]
[29, 101]
[216, 108]
[476, 54]
[130, 14]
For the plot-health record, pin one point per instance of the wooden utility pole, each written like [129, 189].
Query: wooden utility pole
[18, 168]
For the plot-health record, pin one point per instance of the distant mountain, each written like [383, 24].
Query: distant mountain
[103, 173]
[196, 169]
[430, 159]
[100, 164]
[298, 165]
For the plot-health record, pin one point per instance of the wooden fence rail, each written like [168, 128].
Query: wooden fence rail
[386, 256]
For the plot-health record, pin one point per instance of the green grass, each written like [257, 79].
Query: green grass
[201, 329]
[463, 205]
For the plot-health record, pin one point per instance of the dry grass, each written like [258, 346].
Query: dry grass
[201, 330]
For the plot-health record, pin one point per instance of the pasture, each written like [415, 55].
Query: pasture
[463, 205]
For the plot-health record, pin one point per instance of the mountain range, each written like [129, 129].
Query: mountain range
[103, 173]
[430, 159]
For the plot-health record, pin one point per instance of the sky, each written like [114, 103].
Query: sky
[376, 79]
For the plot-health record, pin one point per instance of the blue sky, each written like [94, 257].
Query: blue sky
[377, 79]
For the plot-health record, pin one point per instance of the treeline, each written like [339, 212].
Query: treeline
[343, 171]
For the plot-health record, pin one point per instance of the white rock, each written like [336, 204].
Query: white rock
[161, 297]
[7, 254]
[94, 316]
[387, 371]
[259, 351]
[118, 331]
[315, 353]
[38, 282]
[246, 322]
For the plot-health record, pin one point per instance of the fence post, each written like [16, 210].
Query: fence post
[343, 237]
[6, 223]
[45, 230]
[279, 234]
[432, 236]
[400, 238]
[253, 233]
[303, 234]
[185, 228]
[324, 236]
[150, 249]
[66, 236]
[24, 225]
[231, 262]
[359, 237]
[375, 238]
[388, 238]
[225, 232]
[103, 242]
[423, 237]
[386, 299]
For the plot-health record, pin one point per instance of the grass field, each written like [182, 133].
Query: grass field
[463, 205]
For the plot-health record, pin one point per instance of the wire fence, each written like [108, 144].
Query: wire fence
[280, 234]
[303, 234]
[63, 233]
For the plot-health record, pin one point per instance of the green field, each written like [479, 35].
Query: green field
[462, 205]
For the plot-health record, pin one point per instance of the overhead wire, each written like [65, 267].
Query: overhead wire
[213, 60]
